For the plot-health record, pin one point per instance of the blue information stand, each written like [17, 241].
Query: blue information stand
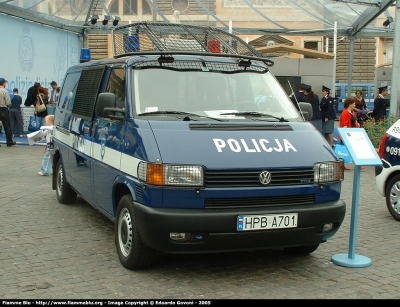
[363, 153]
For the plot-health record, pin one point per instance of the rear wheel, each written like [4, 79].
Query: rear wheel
[393, 197]
[65, 194]
[302, 250]
[131, 251]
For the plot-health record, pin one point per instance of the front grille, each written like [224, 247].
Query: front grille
[226, 203]
[251, 178]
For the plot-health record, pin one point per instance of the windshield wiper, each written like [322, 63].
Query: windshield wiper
[165, 112]
[281, 119]
[187, 115]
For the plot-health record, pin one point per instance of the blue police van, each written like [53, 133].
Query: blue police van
[367, 89]
[167, 140]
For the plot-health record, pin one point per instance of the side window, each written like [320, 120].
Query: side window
[66, 101]
[108, 131]
[363, 89]
[87, 92]
[338, 92]
[116, 85]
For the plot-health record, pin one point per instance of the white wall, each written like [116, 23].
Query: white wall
[314, 72]
[31, 52]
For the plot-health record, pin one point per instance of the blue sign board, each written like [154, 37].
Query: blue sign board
[362, 153]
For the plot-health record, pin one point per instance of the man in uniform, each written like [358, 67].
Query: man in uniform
[328, 114]
[5, 103]
[379, 111]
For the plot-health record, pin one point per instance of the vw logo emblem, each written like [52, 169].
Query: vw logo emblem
[265, 177]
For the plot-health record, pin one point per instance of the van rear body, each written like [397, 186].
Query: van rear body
[190, 147]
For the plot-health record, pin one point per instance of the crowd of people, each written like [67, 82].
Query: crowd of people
[11, 115]
[324, 113]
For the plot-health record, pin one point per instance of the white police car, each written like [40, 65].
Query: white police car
[388, 174]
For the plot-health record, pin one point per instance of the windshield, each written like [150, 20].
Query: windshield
[211, 94]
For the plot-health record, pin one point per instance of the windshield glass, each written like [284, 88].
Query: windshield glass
[211, 94]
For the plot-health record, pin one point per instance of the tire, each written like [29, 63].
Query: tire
[393, 197]
[65, 194]
[132, 253]
[302, 250]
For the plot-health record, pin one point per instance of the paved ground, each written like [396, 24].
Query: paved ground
[54, 251]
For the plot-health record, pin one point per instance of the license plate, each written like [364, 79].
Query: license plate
[270, 221]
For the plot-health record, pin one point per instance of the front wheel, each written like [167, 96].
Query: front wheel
[132, 253]
[302, 250]
[393, 197]
[65, 194]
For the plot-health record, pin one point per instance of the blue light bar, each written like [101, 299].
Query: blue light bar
[85, 55]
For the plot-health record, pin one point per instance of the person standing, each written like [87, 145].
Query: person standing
[53, 93]
[328, 114]
[15, 114]
[298, 97]
[360, 105]
[313, 99]
[31, 95]
[47, 164]
[379, 111]
[347, 118]
[58, 90]
[42, 98]
[5, 103]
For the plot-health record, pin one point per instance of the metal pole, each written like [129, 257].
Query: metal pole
[334, 59]
[154, 11]
[350, 75]
[208, 15]
[394, 91]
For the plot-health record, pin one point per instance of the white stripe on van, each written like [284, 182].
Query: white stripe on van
[114, 158]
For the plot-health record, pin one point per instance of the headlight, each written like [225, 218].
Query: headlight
[328, 171]
[171, 175]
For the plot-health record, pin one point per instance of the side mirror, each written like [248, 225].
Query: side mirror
[106, 107]
[110, 113]
[306, 110]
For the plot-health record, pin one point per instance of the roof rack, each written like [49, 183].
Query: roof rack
[168, 38]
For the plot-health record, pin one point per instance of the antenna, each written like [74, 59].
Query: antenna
[295, 98]
[270, 43]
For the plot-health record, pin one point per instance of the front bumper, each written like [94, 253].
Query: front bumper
[217, 228]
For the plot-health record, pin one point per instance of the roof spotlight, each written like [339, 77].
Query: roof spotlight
[387, 22]
[116, 20]
[94, 19]
[106, 19]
